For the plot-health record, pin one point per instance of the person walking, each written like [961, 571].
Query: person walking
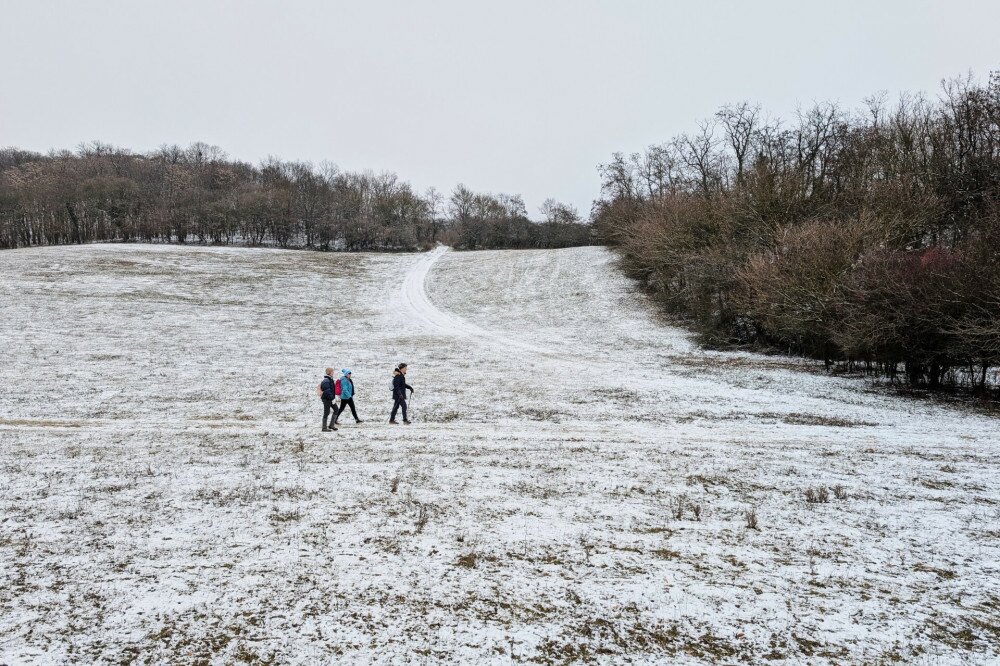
[399, 387]
[327, 386]
[347, 393]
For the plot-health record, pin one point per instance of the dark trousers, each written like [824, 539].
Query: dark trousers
[397, 403]
[328, 407]
[348, 403]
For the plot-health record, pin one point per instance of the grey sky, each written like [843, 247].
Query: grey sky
[512, 96]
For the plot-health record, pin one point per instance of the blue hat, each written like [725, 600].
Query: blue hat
[345, 371]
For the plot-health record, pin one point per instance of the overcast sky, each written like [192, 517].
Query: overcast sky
[506, 96]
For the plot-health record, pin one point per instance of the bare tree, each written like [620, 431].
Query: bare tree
[740, 123]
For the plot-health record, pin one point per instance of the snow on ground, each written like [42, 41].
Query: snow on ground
[577, 486]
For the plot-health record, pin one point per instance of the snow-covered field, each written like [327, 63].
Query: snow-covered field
[577, 486]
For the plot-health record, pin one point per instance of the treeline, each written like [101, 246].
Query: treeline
[197, 195]
[487, 221]
[869, 239]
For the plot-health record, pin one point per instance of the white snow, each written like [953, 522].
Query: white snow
[166, 494]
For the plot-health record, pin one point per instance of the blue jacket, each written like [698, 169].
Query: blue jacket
[346, 388]
[327, 385]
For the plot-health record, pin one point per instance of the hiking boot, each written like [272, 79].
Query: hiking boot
[328, 430]
[393, 421]
[358, 421]
[407, 422]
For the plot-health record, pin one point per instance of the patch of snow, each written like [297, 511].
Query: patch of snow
[166, 493]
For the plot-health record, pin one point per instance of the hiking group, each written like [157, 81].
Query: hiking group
[342, 390]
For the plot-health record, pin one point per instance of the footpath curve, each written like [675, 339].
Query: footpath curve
[429, 315]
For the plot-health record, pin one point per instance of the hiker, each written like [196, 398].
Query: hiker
[399, 387]
[347, 392]
[328, 394]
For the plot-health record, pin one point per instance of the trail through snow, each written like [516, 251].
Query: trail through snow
[445, 323]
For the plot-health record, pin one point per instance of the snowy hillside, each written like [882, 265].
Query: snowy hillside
[580, 483]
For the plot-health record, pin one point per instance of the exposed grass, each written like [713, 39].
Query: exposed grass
[198, 515]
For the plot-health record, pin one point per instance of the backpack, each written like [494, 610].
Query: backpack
[336, 388]
[319, 389]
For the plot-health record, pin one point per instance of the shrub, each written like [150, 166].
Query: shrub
[866, 240]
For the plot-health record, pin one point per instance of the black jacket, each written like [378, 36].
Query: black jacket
[328, 387]
[399, 387]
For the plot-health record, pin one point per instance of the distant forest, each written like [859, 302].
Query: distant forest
[868, 239]
[198, 195]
